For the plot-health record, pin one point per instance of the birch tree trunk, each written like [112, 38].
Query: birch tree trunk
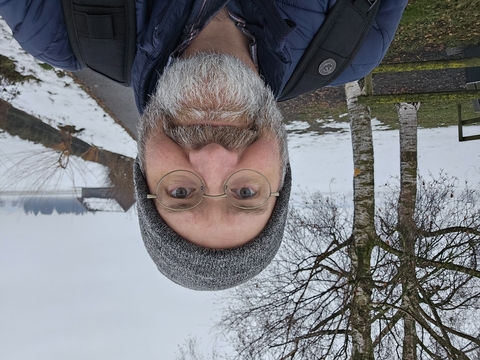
[363, 224]
[407, 229]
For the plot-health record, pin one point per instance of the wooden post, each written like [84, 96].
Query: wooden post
[369, 84]
[464, 122]
[460, 125]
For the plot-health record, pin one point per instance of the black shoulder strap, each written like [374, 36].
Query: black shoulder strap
[102, 34]
[333, 47]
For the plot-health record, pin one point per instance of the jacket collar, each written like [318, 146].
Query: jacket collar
[263, 22]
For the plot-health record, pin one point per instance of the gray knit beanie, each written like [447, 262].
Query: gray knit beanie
[200, 268]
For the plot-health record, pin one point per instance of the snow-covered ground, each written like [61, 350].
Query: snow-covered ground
[324, 163]
[83, 287]
[58, 100]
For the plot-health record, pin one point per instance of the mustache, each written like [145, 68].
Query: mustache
[195, 137]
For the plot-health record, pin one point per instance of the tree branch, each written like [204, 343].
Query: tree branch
[450, 230]
[423, 263]
[451, 330]
[427, 350]
[311, 335]
[388, 327]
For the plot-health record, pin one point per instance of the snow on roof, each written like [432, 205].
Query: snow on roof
[99, 204]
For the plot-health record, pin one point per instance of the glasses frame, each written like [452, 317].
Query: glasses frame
[224, 195]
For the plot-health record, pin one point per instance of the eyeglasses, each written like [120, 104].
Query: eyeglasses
[181, 190]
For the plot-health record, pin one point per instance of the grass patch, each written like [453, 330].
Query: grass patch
[318, 119]
[312, 112]
[432, 24]
[10, 74]
[432, 114]
[45, 66]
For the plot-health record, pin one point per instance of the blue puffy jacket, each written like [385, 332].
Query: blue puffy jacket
[39, 27]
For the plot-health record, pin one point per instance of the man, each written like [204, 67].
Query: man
[212, 177]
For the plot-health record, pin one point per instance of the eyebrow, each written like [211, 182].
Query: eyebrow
[230, 209]
[257, 211]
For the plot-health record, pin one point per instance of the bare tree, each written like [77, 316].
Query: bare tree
[62, 143]
[432, 246]
[438, 300]
[407, 116]
[189, 350]
[363, 233]
[396, 281]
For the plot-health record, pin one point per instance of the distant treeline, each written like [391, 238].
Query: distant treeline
[46, 205]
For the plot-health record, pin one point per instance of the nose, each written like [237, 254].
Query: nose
[214, 164]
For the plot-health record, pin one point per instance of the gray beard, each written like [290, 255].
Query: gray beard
[212, 98]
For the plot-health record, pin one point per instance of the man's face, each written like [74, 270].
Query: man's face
[212, 115]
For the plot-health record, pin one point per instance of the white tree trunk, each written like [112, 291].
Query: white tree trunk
[363, 226]
[407, 229]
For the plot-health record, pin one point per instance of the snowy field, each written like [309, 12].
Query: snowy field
[58, 100]
[83, 287]
[325, 164]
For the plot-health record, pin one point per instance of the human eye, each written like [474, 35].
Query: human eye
[247, 189]
[244, 193]
[181, 192]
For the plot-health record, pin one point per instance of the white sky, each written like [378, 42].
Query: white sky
[83, 287]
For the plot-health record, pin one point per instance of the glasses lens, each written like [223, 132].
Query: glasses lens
[247, 189]
[180, 190]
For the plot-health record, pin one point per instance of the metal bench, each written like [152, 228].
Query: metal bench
[472, 77]
[475, 102]
[465, 122]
